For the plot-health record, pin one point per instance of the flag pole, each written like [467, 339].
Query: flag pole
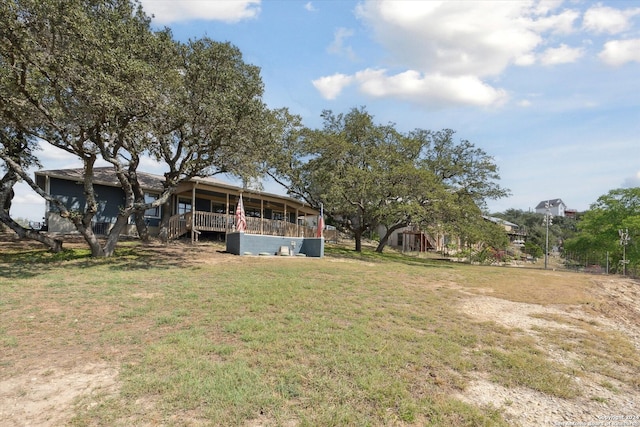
[320, 232]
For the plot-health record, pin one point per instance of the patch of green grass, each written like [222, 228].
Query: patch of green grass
[184, 371]
[367, 255]
[526, 369]
[42, 256]
[7, 340]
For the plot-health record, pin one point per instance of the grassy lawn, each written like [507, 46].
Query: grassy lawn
[205, 338]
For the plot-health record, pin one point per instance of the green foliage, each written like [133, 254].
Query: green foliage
[368, 175]
[561, 229]
[80, 76]
[599, 230]
[533, 249]
[93, 79]
[212, 119]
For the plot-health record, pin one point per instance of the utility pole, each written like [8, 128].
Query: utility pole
[547, 222]
[624, 240]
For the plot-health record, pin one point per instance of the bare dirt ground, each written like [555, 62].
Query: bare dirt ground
[603, 401]
[46, 390]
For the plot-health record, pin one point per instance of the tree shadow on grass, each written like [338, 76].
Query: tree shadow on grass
[27, 263]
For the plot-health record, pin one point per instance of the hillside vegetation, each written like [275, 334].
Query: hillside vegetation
[187, 335]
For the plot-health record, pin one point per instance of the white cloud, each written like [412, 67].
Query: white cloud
[604, 19]
[444, 51]
[619, 52]
[331, 86]
[150, 165]
[562, 23]
[310, 7]
[633, 181]
[338, 46]
[463, 37]
[27, 198]
[524, 103]
[434, 89]
[51, 154]
[561, 55]
[525, 60]
[26, 203]
[166, 12]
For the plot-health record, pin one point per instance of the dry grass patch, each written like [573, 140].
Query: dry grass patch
[206, 338]
[528, 285]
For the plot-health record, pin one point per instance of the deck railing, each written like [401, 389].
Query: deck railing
[211, 221]
[224, 223]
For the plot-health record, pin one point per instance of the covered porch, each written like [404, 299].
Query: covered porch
[208, 205]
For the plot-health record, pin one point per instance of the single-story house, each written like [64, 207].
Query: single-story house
[198, 206]
[414, 239]
[556, 207]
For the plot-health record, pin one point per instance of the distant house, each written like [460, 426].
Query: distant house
[200, 205]
[556, 207]
[517, 235]
[414, 239]
[571, 213]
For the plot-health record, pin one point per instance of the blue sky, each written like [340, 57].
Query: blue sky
[550, 89]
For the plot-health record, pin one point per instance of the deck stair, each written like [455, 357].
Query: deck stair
[179, 225]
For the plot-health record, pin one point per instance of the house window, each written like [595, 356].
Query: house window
[218, 208]
[252, 212]
[184, 206]
[153, 212]
[399, 239]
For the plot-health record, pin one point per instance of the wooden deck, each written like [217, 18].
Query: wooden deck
[224, 223]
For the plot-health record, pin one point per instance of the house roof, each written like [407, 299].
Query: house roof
[552, 203]
[104, 176]
[500, 221]
[150, 182]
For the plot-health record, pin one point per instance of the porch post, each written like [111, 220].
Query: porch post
[297, 223]
[193, 213]
[226, 218]
[286, 220]
[261, 215]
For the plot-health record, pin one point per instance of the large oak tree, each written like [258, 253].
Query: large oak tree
[80, 72]
[366, 175]
[95, 81]
[600, 227]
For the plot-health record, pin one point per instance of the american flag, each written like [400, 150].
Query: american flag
[241, 220]
[320, 222]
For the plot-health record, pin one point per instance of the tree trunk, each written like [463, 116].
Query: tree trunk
[385, 238]
[114, 234]
[383, 242]
[6, 197]
[54, 245]
[164, 222]
[141, 227]
[357, 235]
[92, 240]
[138, 192]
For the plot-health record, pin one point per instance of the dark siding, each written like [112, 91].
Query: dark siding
[152, 222]
[41, 182]
[110, 199]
